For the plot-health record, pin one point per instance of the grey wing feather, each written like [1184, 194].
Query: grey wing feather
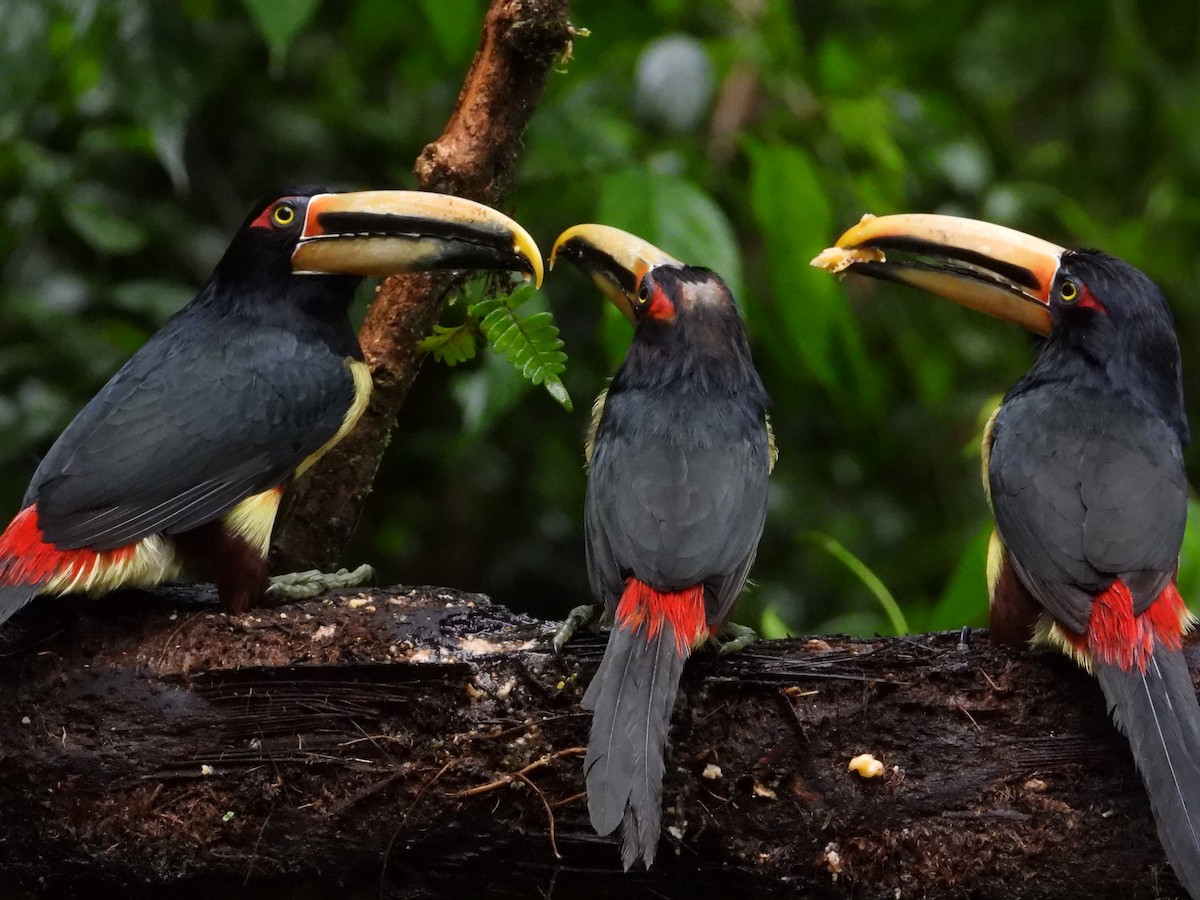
[1078, 506]
[674, 513]
[197, 420]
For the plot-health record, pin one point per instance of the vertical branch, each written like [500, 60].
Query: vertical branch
[475, 157]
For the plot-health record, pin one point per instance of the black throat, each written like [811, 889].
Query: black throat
[704, 351]
[1129, 349]
[313, 307]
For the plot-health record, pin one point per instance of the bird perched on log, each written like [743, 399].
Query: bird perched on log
[1083, 465]
[180, 460]
[679, 453]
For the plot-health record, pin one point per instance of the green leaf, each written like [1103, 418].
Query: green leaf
[669, 8]
[102, 227]
[865, 123]
[455, 25]
[869, 579]
[452, 344]
[531, 343]
[1189, 558]
[279, 21]
[673, 213]
[487, 394]
[614, 335]
[771, 626]
[965, 599]
[841, 66]
[556, 389]
[794, 214]
[577, 139]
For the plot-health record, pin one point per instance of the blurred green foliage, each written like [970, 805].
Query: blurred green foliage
[529, 342]
[739, 134]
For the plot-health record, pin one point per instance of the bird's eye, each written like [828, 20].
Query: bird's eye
[643, 293]
[284, 215]
[1068, 291]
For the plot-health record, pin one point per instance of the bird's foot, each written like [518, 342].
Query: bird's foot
[312, 583]
[579, 617]
[734, 638]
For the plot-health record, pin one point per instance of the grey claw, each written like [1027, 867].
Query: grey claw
[735, 638]
[313, 582]
[576, 619]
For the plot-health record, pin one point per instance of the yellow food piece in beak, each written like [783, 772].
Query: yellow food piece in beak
[839, 259]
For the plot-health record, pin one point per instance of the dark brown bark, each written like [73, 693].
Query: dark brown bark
[475, 157]
[422, 743]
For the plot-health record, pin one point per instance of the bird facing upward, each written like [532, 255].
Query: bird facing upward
[676, 501]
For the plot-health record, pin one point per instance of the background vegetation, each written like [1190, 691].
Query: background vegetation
[739, 134]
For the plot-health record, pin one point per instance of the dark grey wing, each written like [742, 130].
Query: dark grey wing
[672, 504]
[1135, 492]
[1080, 500]
[204, 415]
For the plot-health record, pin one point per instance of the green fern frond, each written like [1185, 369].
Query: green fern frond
[531, 343]
[452, 344]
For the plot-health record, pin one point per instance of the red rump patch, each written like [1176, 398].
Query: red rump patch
[1116, 635]
[25, 558]
[642, 605]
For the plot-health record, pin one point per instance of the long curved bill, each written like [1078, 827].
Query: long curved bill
[389, 232]
[990, 268]
[615, 259]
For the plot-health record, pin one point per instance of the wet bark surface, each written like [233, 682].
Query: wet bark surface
[419, 742]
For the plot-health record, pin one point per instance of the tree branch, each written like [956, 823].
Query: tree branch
[424, 742]
[475, 157]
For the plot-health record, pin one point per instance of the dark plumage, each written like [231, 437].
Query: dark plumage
[1079, 501]
[182, 457]
[676, 501]
[225, 401]
[1084, 465]
[1090, 496]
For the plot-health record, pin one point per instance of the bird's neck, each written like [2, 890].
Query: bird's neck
[314, 307]
[1143, 365]
[692, 358]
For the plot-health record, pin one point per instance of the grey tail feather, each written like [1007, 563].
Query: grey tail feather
[1157, 711]
[631, 697]
[13, 597]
